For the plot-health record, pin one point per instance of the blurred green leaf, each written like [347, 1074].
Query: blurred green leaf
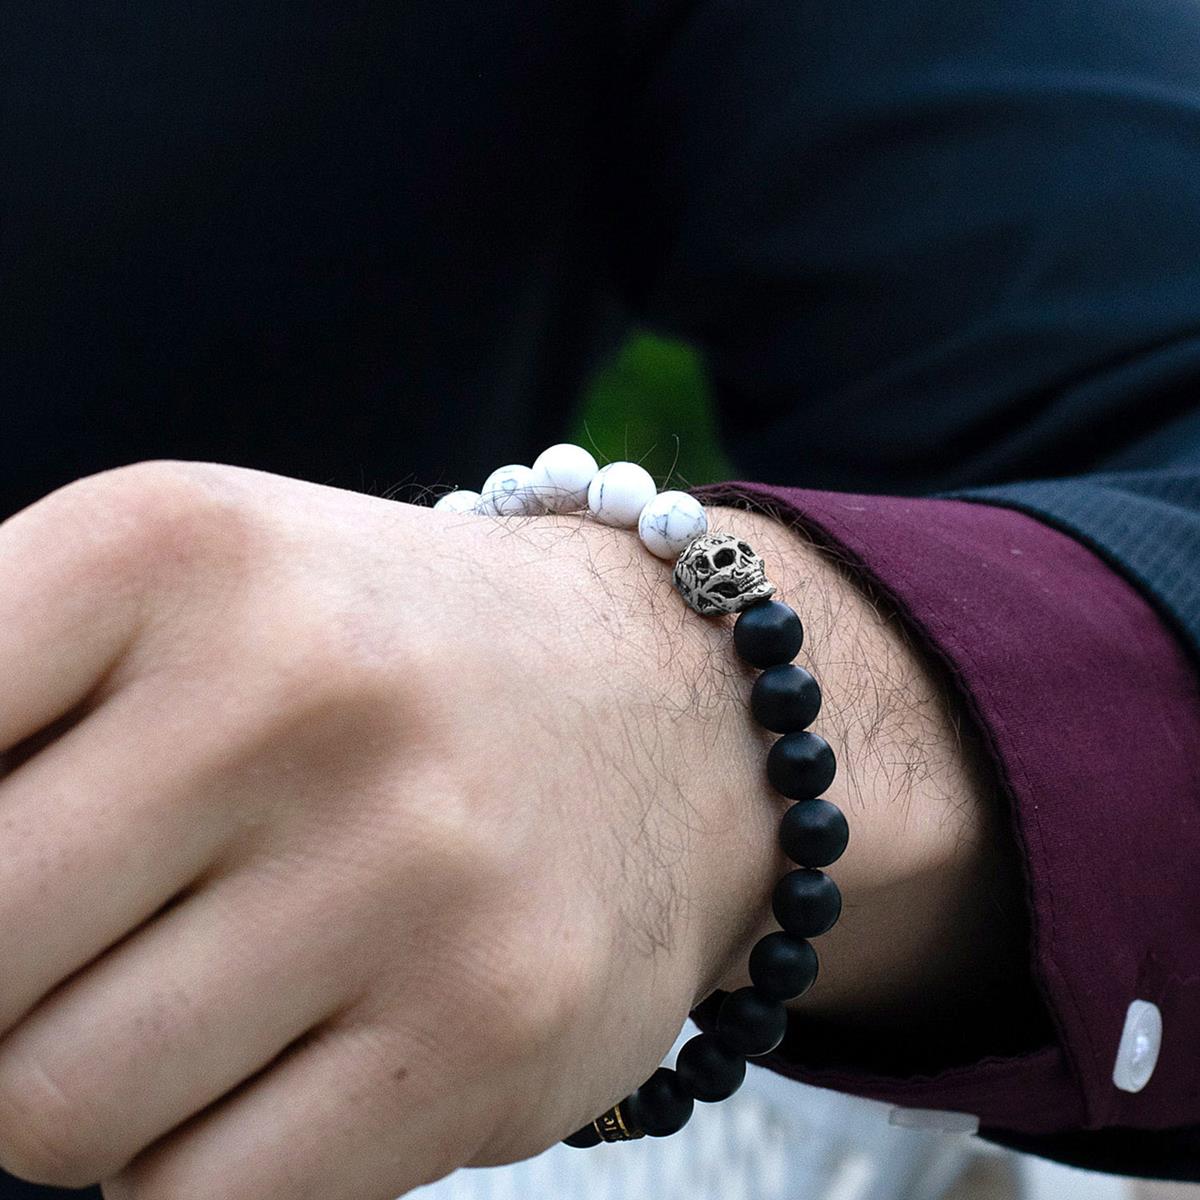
[652, 404]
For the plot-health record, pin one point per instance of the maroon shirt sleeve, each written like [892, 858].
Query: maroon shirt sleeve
[1091, 711]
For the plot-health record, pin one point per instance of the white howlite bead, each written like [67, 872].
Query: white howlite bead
[461, 501]
[619, 492]
[561, 475]
[670, 521]
[508, 491]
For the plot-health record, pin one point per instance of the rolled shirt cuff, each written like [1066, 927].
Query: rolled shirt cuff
[1090, 709]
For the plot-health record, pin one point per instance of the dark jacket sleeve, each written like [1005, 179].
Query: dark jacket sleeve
[943, 262]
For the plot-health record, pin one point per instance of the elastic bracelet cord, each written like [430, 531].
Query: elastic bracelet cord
[716, 574]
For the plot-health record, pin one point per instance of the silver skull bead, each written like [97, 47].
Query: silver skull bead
[719, 573]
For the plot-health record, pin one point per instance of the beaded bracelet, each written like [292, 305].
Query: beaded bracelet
[715, 574]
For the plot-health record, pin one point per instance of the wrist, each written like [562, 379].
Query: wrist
[928, 866]
[932, 924]
[712, 765]
[714, 821]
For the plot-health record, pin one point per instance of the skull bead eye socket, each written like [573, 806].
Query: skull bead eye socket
[723, 558]
[744, 548]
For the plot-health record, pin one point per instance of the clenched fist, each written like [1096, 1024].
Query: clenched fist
[346, 843]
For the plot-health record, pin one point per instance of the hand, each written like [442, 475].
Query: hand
[348, 843]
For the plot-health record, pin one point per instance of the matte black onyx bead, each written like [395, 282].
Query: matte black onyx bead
[801, 765]
[708, 1070]
[751, 1024]
[767, 633]
[806, 902]
[813, 833]
[583, 1138]
[783, 967]
[662, 1105]
[785, 698]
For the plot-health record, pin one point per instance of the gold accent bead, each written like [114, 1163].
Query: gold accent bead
[616, 1125]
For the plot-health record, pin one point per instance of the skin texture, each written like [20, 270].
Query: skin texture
[348, 843]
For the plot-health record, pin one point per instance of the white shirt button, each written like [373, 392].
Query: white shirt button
[1137, 1055]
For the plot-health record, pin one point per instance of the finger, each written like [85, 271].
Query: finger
[348, 1113]
[100, 830]
[196, 1002]
[74, 570]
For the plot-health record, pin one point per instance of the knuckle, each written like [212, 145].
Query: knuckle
[168, 512]
[531, 991]
[468, 874]
[147, 517]
[44, 1137]
[316, 685]
[335, 671]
